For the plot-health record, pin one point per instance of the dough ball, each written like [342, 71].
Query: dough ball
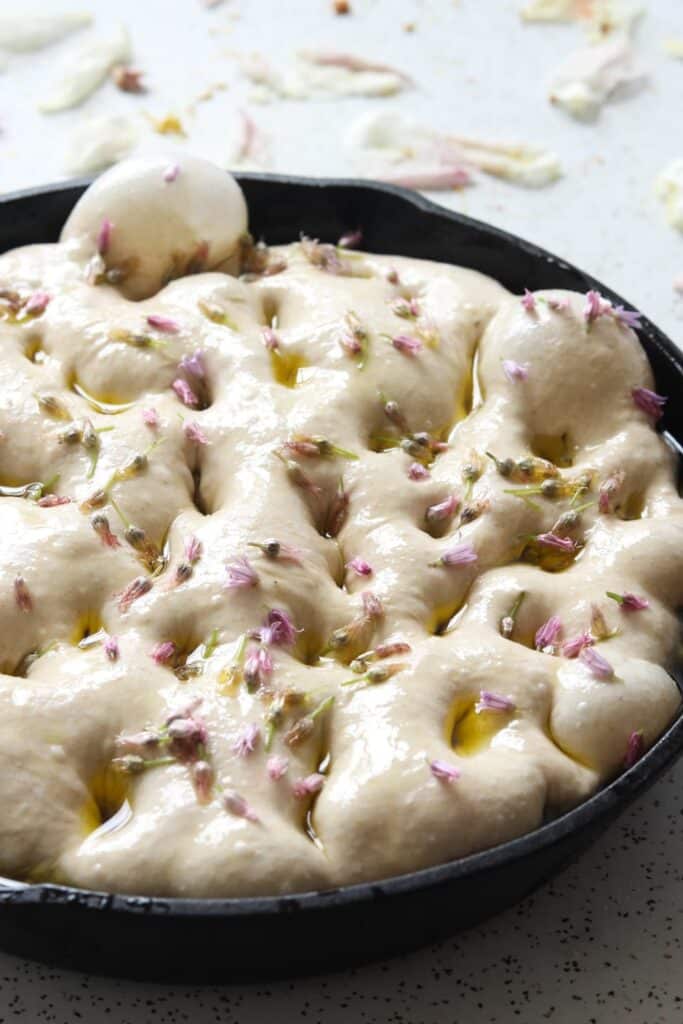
[162, 219]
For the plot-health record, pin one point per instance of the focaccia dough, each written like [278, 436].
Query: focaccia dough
[219, 473]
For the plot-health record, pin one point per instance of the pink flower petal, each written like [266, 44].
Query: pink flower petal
[444, 771]
[548, 634]
[194, 364]
[572, 648]
[111, 648]
[276, 767]
[595, 306]
[359, 566]
[171, 173]
[22, 595]
[596, 663]
[165, 324]
[37, 302]
[241, 575]
[528, 301]
[194, 433]
[649, 402]
[185, 393]
[635, 748]
[238, 806]
[416, 471]
[163, 652]
[247, 741]
[489, 701]
[150, 418]
[103, 238]
[443, 510]
[406, 344]
[308, 786]
[514, 371]
[460, 554]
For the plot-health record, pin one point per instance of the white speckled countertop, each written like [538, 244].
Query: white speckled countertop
[603, 942]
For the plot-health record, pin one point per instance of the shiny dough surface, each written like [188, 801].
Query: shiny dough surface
[309, 425]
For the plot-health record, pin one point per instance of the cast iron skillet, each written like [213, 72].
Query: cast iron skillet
[220, 940]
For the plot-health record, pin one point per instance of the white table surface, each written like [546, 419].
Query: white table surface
[603, 942]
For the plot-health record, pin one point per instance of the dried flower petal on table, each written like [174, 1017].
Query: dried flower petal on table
[590, 76]
[99, 142]
[127, 79]
[552, 10]
[669, 188]
[21, 33]
[673, 47]
[397, 149]
[87, 69]
[600, 16]
[322, 75]
[251, 147]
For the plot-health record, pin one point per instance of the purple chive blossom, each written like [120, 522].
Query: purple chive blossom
[460, 554]
[162, 652]
[551, 540]
[238, 806]
[528, 301]
[194, 364]
[493, 702]
[443, 510]
[443, 771]
[194, 433]
[202, 777]
[241, 575]
[270, 339]
[630, 602]
[351, 239]
[649, 402]
[597, 665]
[572, 648]
[351, 344]
[247, 741]
[595, 306]
[111, 648]
[136, 588]
[627, 317]
[103, 239]
[150, 417]
[193, 549]
[308, 786]
[53, 500]
[359, 566]
[635, 748]
[548, 634]
[372, 606]
[163, 323]
[416, 471]
[608, 488]
[185, 393]
[406, 344]
[37, 303]
[171, 173]
[514, 371]
[279, 629]
[22, 595]
[277, 766]
[258, 667]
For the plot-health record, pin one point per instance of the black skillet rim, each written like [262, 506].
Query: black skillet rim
[604, 804]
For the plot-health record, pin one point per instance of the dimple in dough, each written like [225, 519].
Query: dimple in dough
[381, 810]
